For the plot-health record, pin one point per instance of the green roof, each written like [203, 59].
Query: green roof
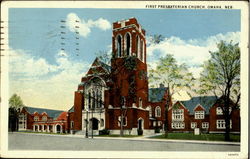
[205, 101]
[51, 113]
[156, 94]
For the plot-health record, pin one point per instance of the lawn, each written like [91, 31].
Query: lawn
[127, 136]
[191, 136]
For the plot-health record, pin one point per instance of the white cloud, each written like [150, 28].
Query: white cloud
[193, 52]
[73, 22]
[42, 84]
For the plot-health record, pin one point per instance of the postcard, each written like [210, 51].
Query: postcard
[109, 79]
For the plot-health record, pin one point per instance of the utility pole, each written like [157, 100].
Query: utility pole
[123, 101]
[87, 121]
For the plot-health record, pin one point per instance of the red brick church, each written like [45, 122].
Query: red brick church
[117, 97]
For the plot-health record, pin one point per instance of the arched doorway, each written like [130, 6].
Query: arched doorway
[140, 126]
[58, 128]
[95, 123]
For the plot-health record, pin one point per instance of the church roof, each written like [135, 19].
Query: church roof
[51, 113]
[205, 101]
[156, 94]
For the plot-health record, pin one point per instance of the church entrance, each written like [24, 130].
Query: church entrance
[95, 123]
[140, 126]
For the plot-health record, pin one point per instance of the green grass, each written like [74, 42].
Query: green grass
[127, 136]
[191, 136]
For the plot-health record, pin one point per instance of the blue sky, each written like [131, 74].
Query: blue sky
[51, 75]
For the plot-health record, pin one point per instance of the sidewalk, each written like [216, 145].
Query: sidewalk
[141, 138]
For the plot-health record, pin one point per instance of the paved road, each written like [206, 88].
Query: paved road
[28, 141]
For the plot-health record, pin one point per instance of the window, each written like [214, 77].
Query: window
[159, 123]
[119, 46]
[178, 125]
[193, 125]
[154, 123]
[138, 47]
[221, 124]
[178, 114]
[71, 124]
[157, 111]
[140, 102]
[219, 111]
[36, 118]
[205, 125]
[124, 121]
[44, 118]
[199, 114]
[127, 44]
[102, 123]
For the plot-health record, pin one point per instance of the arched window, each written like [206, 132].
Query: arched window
[157, 111]
[142, 54]
[119, 46]
[102, 123]
[89, 96]
[140, 102]
[128, 44]
[138, 47]
[141, 50]
[93, 99]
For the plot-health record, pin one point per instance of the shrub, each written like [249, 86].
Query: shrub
[140, 131]
[157, 130]
[104, 132]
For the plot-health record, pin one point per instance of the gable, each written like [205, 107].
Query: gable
[199, 108]
[205, 101]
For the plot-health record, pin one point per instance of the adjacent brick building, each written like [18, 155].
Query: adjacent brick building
[43, 120]
[203, 112]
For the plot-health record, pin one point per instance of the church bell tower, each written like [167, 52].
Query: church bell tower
[128, 64]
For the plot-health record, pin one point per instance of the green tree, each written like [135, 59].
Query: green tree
[15, 105]
[175, 77]
[221, 76]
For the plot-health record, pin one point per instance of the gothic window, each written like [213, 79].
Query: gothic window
[140, 102]
[119, 46]
[157, 111]
[142, 54]
[141, 50]
[138, 47]
[89, 96]
[128, 44]
[102, 123]
[93, 100]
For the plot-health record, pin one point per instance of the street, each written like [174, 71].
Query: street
[30, 141]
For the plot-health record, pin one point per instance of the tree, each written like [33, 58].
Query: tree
[175, 77]
[156, 39]
[221, 76]
[15, 104]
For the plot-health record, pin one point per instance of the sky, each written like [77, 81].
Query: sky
[46, 76]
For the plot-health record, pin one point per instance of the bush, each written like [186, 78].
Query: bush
[104, 132]
[140, 131]
[157, 130]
